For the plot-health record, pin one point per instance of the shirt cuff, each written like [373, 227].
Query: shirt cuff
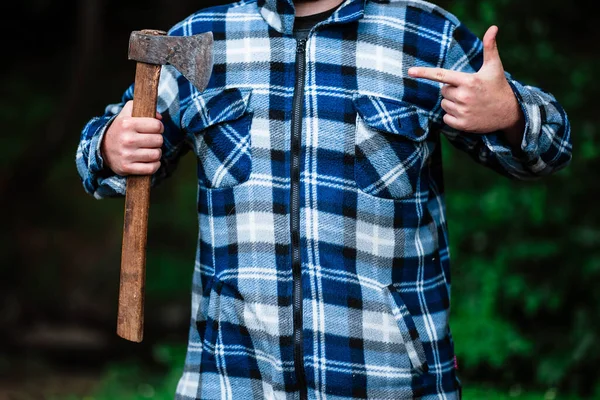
[105, 183]
[96, 162]
[529, 149]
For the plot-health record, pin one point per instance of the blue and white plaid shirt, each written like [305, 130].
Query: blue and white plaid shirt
[372, 235]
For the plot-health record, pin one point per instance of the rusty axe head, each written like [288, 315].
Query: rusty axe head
[192, 56]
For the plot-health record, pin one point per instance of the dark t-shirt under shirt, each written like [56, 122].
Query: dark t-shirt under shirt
[303, 25]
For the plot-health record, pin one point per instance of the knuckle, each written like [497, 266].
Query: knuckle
[155, 141]
[446, 90]
[126, 154]
[149, 168]
[127, 139]
[461, 124]
[448, 120]
[123, 169]
[141, 169]
[472, 81]
[453, 122]
[125, 124]
[132, 169]
[463, 96]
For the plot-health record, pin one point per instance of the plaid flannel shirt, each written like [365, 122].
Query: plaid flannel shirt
[372, 235]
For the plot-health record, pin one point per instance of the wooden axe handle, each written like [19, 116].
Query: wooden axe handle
[130, 320]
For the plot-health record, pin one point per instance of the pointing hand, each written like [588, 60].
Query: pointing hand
[481, 102]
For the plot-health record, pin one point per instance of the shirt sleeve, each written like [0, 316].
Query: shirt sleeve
[100, 181]
[546, 145]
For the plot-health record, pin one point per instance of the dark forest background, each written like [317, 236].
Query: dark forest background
[526, 256]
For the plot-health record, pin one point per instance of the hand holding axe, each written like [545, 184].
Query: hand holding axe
[192, 57]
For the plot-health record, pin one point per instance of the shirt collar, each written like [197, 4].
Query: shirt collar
[280, 14]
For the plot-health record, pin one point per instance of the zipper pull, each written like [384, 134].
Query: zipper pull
[301, 46]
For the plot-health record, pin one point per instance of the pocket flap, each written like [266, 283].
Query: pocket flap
[394, 116]
[214, 107]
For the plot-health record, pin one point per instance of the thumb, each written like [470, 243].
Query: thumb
[490, 46]
[127, 109]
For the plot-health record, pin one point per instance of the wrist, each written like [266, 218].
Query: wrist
[103, 151]
[515, 128]
[514, 133]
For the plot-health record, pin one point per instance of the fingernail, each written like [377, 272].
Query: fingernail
[412, 71]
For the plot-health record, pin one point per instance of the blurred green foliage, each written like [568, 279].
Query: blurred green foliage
[526, 256]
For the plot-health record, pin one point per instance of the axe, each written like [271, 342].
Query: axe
[192, 57]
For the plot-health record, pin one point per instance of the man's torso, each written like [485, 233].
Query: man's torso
[371, 236]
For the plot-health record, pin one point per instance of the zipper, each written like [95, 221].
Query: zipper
[296, 147]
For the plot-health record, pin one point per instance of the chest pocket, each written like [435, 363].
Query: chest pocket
[390, 148]
[220, 123]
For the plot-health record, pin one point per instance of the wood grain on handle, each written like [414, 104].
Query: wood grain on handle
[130, 320]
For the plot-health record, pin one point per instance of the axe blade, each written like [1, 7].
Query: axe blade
[192, 56]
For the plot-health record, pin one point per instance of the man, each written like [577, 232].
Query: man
[322, 268]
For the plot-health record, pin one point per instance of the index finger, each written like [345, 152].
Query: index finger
[441, 75]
